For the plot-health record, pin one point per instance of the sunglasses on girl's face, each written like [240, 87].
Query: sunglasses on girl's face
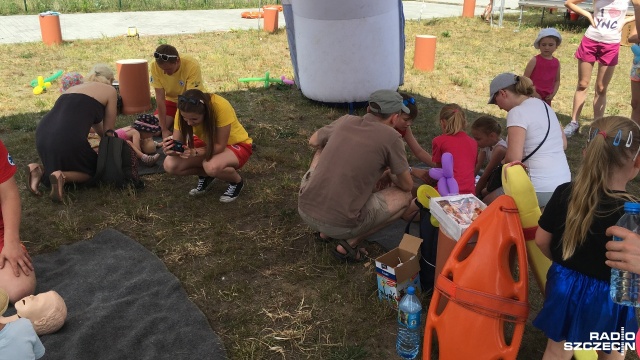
[164, 57]
[192, 101]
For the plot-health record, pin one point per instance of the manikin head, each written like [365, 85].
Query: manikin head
[46, 311]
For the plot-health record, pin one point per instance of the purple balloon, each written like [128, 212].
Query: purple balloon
[435, 173]
[452, 185]
[447, 165]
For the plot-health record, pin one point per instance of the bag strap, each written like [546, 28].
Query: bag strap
[102, 159]
[545, 136]
[420, 207]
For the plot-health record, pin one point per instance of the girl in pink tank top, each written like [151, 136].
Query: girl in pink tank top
[544, 69]
[142, 131]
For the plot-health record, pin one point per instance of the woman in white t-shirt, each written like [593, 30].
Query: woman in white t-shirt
[531, 122]
[601, 43]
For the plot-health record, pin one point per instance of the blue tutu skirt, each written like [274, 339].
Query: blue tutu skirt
[577, 305]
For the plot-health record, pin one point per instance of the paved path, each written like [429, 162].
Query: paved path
[26, 28]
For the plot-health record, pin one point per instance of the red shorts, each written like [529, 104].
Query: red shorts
[171, 108]
[241, 150]
[591, 51]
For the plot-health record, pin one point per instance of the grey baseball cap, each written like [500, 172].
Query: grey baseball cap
[500, 82]
[388, 101]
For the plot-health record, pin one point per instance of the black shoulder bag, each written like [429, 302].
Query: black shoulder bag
[495, 178]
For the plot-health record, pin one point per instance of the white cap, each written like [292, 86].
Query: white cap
[546, 33]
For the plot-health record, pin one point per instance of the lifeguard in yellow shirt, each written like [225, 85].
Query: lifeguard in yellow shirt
[171, 76]
[208, 141]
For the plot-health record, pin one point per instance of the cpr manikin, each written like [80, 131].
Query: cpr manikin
[46, 311]
[18, 339]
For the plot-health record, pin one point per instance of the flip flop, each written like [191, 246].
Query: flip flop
[57, 180]
[353, 255]
[35, 172]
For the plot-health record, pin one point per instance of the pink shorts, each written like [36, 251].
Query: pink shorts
[591, 51]
[171, 108]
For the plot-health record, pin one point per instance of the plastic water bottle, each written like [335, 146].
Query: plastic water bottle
[625, 285]
[409, 311]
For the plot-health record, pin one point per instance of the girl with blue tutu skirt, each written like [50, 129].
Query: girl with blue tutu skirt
[571, 233]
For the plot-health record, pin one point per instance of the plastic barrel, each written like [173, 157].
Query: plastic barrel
[50, 29]
[468, 8]
[425, 53]
[133, 79]
[270, 19]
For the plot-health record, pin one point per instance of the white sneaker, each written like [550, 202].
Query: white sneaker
[203, 185]
[571, 128]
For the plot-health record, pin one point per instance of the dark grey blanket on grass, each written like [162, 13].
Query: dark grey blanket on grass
[122, 303]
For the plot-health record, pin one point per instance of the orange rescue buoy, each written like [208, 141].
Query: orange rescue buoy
[480, 291]
[251, 14]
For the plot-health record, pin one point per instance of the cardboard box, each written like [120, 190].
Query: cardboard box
[398, 269]
[455, 213]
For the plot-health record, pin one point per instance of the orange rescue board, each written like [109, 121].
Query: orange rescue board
[476, 296]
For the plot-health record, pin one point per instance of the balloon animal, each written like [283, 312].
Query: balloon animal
[447, 185]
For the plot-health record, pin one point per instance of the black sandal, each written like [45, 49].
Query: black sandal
[353, 255]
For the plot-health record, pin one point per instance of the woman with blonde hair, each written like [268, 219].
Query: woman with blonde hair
[534, 135]
[61, 135]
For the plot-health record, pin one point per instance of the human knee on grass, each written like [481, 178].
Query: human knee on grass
[17, 275]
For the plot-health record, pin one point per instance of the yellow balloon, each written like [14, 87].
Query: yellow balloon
[47, 84]
[40, 80]
[37, 90]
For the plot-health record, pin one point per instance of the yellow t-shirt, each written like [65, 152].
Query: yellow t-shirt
[225, 115]
[187, 77]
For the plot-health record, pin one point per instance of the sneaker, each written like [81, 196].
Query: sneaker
[232, 192]
[571, 129]
[203, 185]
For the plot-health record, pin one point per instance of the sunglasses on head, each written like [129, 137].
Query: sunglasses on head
[164, 57]
[408, 101]
[192, 101]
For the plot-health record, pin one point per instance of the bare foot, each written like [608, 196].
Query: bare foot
[57, 180]
[35, 174]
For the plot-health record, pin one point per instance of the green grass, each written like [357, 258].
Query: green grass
[13, 7]
[252, 266]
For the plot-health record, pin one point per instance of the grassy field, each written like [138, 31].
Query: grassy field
[13, 7]
[252, 266]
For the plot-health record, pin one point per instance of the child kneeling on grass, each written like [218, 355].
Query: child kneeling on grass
[143, 128]
[486, 131]
[17, 276]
